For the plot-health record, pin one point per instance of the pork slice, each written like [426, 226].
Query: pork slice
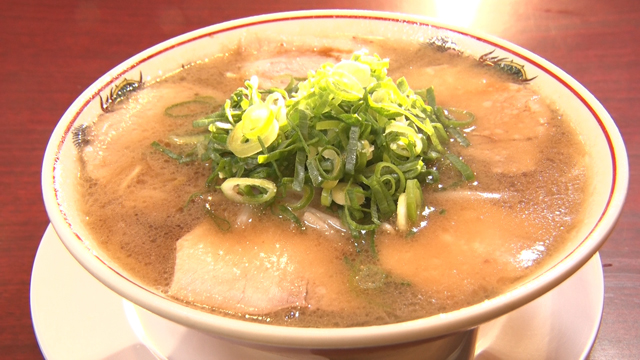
[274, 65]
[277, 71]
[510, 118]
[475, 244]
[117, 139]
[258, 271]
[510, 128]
[237, 276]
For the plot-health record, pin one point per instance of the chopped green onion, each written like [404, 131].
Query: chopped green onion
[458, 135]
[344, 86]
[451, 115]
[318, 175]
[366, 142]
[243, 146]
[361, 72]
[328, 125]
[431, 97]
[243, 190]
[299, 172]
[402, 218]
[187, 139]
[181, 159]
[222, 223]
[339, 194]
[464, 169]
[191, 108]
[287, 212]
[413, 200]
[307, 197]
[325, 197]
[352, 150]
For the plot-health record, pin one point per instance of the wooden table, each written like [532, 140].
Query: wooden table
[51, 50]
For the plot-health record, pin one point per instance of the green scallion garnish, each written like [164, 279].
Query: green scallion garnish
[348, 131]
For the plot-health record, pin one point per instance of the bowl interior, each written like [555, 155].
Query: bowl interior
[596, 129]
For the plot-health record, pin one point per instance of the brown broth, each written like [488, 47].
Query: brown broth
[476, 241]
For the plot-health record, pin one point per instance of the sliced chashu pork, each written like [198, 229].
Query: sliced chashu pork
[510, 126]
[463, 248]
[237, 276]
[277, 71]
[258, 271]
[117, 139]
[510, 118]
[119, 148]
[275, 65]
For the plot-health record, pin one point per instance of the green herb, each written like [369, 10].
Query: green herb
[367, 143]
[222, 223]
[180, 158]
[191, 108]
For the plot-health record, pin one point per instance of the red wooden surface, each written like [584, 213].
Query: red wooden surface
[51, 50]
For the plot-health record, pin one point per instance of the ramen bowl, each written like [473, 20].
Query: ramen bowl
[444, 335]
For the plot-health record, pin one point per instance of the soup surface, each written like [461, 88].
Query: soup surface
[475, 240]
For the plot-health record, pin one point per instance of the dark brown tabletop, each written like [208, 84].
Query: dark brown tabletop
[50, 51]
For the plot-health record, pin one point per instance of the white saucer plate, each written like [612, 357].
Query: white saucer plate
[76, 317]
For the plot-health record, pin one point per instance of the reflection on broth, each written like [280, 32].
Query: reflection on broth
[474, 240]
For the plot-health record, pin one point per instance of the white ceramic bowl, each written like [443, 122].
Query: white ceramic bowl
[595, 126]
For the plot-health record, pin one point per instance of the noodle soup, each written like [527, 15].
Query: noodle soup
[518, 272]
[474, 239]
